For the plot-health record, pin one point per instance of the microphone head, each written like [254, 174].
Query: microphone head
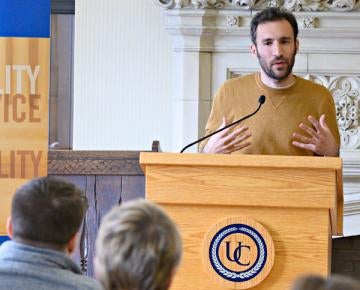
[262, 99]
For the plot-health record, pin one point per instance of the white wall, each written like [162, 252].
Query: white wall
[122, 78]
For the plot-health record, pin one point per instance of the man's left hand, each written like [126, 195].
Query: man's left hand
[320, 141]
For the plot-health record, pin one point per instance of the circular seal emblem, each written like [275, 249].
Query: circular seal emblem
[238, 252]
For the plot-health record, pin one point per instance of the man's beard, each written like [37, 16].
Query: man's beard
[271, 73]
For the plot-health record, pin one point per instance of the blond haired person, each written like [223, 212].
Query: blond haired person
[334, 282]
[138, 248]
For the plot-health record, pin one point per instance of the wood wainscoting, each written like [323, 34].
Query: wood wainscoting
[107, 178]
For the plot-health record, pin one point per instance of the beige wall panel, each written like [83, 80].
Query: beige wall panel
[122, 78]
[334, 64]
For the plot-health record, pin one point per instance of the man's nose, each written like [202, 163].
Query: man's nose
[277, 49]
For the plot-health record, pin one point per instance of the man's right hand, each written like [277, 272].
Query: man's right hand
[226, 142]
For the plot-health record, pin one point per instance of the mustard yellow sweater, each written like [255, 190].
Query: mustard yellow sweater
[272, 127]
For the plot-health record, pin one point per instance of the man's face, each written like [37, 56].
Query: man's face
[275, 49]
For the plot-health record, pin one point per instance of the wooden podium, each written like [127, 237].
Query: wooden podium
[299, 200]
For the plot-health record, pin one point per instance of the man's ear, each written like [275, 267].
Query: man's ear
[9, 227]
[72, 244]
[253, 50]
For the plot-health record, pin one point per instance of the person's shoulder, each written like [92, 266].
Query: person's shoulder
[240, 80]
[322, 93]
[305, 83]
[87, 283]
[232, 86]
[71, 273]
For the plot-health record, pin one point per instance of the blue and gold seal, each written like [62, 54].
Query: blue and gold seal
[240, 252]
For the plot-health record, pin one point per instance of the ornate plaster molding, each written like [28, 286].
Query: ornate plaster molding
[290, 5]
[232, 20]
[346, 93]
[309, 22]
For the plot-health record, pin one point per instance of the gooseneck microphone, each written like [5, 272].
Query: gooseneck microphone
[261, 102]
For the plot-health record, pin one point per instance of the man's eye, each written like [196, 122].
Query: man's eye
[267, 43]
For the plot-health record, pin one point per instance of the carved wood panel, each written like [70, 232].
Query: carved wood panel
[107, 178]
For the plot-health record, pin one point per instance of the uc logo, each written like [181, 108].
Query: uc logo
[245, 260]
[238, 252]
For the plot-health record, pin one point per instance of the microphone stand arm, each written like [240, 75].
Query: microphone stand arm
[221, 129]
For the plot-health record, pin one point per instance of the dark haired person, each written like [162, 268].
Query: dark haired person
[46, 214]
[298, 117]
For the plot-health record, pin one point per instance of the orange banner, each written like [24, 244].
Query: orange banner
[24, 90]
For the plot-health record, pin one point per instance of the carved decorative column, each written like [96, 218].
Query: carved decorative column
[211, 44]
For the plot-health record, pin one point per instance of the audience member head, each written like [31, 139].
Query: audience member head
[47, 212]
[138, 247]
[270, 15]
[334, 282]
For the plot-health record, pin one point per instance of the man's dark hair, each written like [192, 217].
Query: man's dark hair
[270, 15]
[47, 211]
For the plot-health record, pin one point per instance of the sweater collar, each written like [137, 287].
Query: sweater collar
[277, 91]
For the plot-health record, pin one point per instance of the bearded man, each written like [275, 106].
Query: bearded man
[299, 116]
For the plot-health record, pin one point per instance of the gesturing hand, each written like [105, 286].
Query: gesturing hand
[226, 141]
[320, 141]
